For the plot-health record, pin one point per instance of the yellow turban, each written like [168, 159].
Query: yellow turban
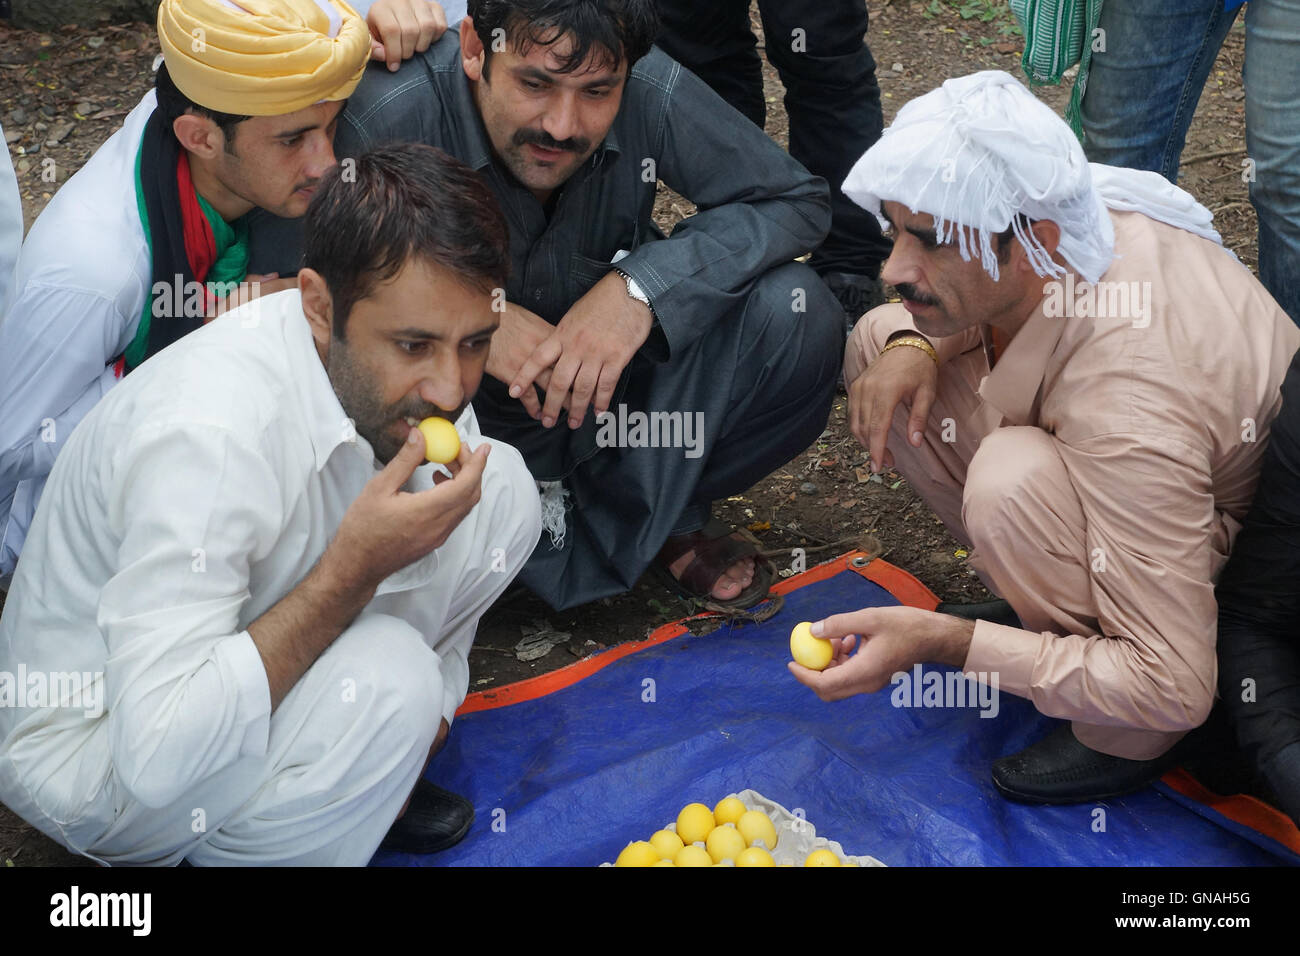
[262, 57]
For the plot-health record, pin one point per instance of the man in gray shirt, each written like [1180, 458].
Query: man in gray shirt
[641, 377]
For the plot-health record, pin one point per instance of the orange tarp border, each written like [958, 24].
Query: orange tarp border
[1242, 809]
[894, 580]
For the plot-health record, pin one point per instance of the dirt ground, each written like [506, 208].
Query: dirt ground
[63, 94]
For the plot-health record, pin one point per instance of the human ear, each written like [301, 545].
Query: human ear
[199, 135]
[317, 306]
[472, 54]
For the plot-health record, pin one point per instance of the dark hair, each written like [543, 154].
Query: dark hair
[172, 103]
[1006, 235]
[623, 29]
[371, 215]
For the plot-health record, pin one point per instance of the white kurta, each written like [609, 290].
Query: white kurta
[80, 286]
[195, 497]
[11, 226]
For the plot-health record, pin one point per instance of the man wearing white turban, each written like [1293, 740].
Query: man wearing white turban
[148, 240]
[1089, 378]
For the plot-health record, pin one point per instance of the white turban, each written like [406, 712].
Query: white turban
[982, 149]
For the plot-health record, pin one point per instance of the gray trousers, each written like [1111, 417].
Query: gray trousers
[754, 392]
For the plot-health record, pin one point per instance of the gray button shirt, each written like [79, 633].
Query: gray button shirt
[757, 206]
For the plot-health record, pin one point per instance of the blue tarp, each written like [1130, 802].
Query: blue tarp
[572, 777]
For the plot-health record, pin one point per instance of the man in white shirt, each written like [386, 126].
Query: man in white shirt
[11, 226]
[115, 267]
[242, 622]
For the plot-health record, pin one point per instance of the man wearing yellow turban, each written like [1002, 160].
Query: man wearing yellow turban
[149, 239]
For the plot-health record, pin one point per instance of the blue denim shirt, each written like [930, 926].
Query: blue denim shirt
[758, 207]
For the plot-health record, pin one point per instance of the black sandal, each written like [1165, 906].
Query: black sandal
[717, 547]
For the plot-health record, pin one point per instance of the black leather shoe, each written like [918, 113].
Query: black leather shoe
[1059, 769]
[999, 612]
[434, 820]
[858, 295]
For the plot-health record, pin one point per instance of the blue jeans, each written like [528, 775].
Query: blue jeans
[1143, 90]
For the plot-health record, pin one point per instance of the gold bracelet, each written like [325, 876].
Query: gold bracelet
[916, 341]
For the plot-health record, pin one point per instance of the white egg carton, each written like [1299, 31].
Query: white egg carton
[796, 837]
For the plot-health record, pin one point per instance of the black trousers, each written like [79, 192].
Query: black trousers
[831, 95]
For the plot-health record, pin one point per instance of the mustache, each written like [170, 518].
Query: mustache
[544, 139]
[422, 411]
[909, 291]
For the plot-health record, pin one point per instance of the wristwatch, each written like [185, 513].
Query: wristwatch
[634, 290]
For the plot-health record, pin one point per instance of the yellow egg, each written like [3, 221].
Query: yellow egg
[666, 843]
[692, 855]
[695, 822]
[441, 443]
[755, 856]
[638, 854]
[812, 652]
[728, 810]
[756, 825]
[664, 863]
[725, 843]
[822, 858]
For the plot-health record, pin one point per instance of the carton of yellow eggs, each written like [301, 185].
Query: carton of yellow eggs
[744, 829]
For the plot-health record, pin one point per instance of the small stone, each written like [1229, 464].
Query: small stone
[897, 68]
[12, 136]
[94, 42]
[47, 110]
[23, 166]
[58, 134]
[18, 116]
[85, 107]
[41, 127]
[34, 148]
[808, 488]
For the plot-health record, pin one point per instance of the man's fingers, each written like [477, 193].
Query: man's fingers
[878, 432]
[856, 402]
[842, 625]
[609, 376]
[824, 683]
[412, 29]
[469, 471]
[532, 404]
[584, 387]
[542, 359]
[433, 24]
[920, 415]
[398, 471]
[561, 381]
